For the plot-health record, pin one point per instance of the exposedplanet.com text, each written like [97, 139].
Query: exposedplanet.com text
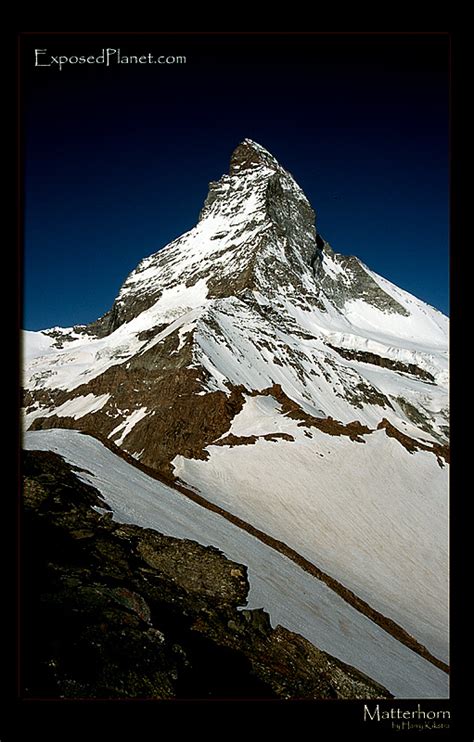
[107, 57]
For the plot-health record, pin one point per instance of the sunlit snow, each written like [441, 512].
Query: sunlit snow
[293, 598]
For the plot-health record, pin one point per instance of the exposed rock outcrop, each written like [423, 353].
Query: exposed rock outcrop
[117, 611]
[377, 360]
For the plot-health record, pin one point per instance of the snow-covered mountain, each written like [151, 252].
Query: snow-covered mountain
[288, 384]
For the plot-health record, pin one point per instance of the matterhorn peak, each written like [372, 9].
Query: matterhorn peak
[256, 234]
[248, 154]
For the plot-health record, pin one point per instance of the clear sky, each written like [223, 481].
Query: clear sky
[117, 159]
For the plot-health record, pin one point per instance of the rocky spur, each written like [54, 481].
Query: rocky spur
[106, 57]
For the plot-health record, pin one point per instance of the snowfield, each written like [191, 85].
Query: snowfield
[361, 511]
[292, 597]
[36, 345]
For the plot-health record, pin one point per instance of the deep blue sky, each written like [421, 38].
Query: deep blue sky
[117, 160]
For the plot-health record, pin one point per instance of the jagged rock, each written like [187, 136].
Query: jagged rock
[128, 612]
[366, 357]
[442, 452]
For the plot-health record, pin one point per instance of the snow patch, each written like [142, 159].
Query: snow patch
[260, 415]
[127, 425]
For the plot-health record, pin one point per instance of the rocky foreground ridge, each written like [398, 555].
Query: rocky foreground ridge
[113, 610]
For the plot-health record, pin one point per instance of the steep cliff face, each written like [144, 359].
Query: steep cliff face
[115, 610]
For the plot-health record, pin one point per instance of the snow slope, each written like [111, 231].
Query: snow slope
[35, 345]
[293, 598]
[361, 511]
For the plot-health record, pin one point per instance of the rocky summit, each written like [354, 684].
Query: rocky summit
[281, 381]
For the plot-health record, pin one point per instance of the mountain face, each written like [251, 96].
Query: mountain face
[285, 382]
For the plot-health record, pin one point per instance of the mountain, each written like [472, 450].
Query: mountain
[284, 383]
